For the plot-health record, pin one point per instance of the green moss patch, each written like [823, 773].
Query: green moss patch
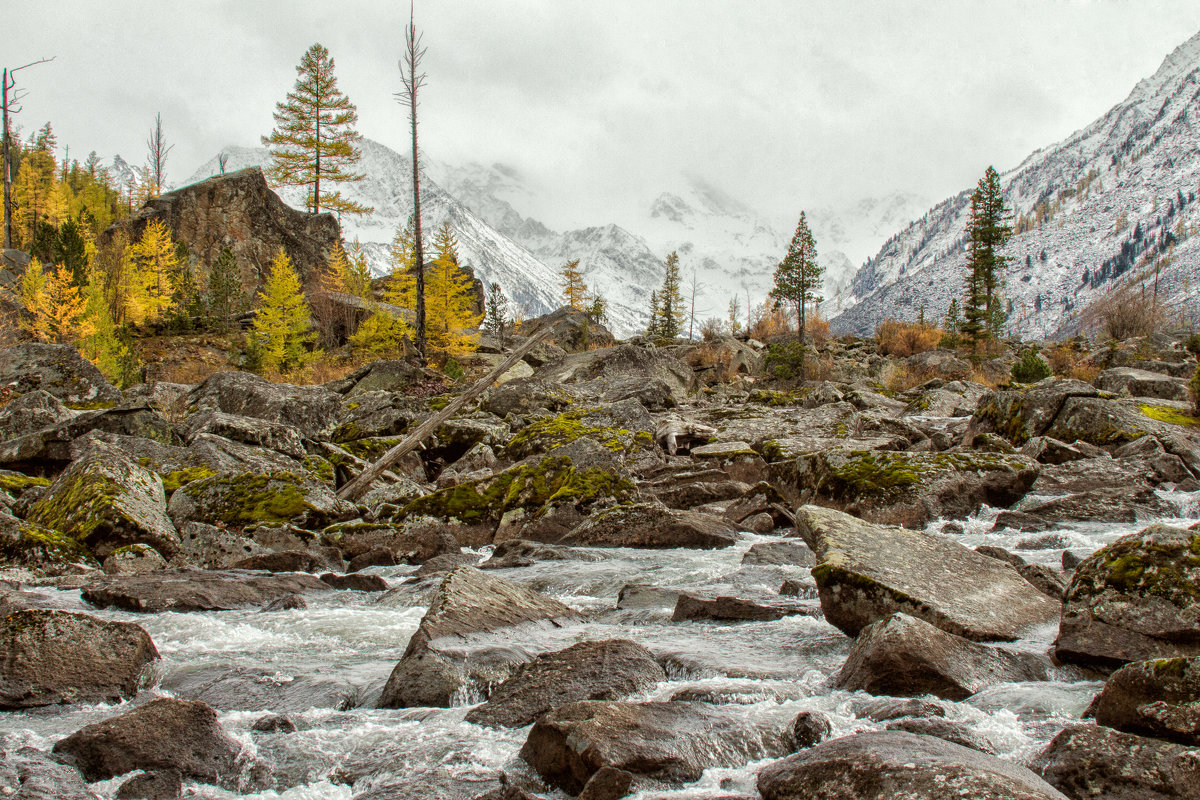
[180, 477]
[1169, 415]
[543, 435]
[246, 499]
[16, 482]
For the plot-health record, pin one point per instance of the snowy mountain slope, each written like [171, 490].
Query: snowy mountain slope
[124, 175]
[1113, 203]
[529, 283]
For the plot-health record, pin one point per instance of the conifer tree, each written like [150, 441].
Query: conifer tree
[412, 80]
[101, 343]
[226, 297]
[314, 141]
[496, 313]
[157, 266]
[32, 296]
[987, 231]
[71, 248]
[671, 307]
[653, 327]
[63, 308]
[401, 286]
[574, 289]
[798, 276]
[282, 327]
[735, 311]
[450, 301]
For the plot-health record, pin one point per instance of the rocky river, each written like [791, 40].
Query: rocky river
[617, 577]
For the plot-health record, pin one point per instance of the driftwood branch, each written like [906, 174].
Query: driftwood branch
[357, 487]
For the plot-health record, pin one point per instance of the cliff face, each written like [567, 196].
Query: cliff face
[239, 211]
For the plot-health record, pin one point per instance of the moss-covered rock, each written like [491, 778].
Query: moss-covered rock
[1134, 600]
[276, 436]
[310, 409]
[57, 369]
[615, 427]
[910, 489]
[1022, 413]
[32, 546]
[243, 499]
[105, 500]
[1158, 698]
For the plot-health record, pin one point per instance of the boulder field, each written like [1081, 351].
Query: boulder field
[643, 568]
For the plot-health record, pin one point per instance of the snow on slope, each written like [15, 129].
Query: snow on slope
[1120, 195]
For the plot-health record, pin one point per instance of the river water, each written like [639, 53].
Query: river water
[325, 666]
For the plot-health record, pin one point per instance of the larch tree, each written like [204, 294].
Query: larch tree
[314, 143]
[451, 301]
[65, 322]
[574, 289]
[283, 325]
[157, 266]
[412, 80]
[400, 289]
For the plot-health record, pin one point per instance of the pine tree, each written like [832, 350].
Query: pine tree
[450, 301]
[71, 248]
[313, 140]
[574, 289]
[653, 327]
[282, 327]
[226, 297]
[496, 313]
[379, 335]
[671, 307]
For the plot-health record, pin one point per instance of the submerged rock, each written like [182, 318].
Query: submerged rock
[905, 657]
[673, 742]
[196, 590]
[54, 657]
[867, 572]
[608, 670]
[894, 764]
[30, 774]
[162, 734]
[1134, 600]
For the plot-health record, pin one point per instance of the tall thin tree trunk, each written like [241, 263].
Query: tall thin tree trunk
[317, 165]
[413, 80]
[7, 172]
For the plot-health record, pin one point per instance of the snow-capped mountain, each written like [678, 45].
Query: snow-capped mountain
[124, 175]
[1113, 203]
[530, 284]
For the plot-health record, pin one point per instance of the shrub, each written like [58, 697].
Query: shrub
[1084, 372]
[817, 328]
[898, 377]
[896, 338]
[712, 329]
[1193, 344]
[1030, 368]
[783, 360]
[1124, 313]
[1061, 358]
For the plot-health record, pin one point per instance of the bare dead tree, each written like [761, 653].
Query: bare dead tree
[11, 105]
[695, 286]
[413, 79]
[157, 150]
[222, 160]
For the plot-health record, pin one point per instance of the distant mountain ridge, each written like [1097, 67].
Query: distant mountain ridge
[1112, 203]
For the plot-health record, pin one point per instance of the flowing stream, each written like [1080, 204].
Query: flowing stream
[324, 667]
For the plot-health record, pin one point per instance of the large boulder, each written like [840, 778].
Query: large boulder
[1154, 698]
[1134, 600]
[196, 590]
[237, 210]
[59, 370]
[652, 526]
[895, 765]
[467, 601]
[237, 500]
[104, 501]
[911, 489]
[623, 427]
[903, 656]
[1021, 414]
[867, 572]
[276, 436]
[309, 409]
[162, 734]
[31, 412]
[414, 541]
[1110, 423]
[53, 657]
[1091, 761]
[608, 670]
[571, 329]
[667, 741]
[599, 370]
[527, 395]
[1132, 382]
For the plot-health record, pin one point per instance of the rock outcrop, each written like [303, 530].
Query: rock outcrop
[238, 211]
[1158, 698]
[1091, 761]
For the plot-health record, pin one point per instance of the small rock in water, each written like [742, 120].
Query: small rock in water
[811, 728]
[375, 557]
[274, 723]
[163, 784]
[289, 602]
[609, 783]
[1048, 541]
[356, 581]
[795, 588]
[882, 709]
[943, 729]
[1071, 559]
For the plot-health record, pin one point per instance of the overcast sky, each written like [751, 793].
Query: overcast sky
[787, 105]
